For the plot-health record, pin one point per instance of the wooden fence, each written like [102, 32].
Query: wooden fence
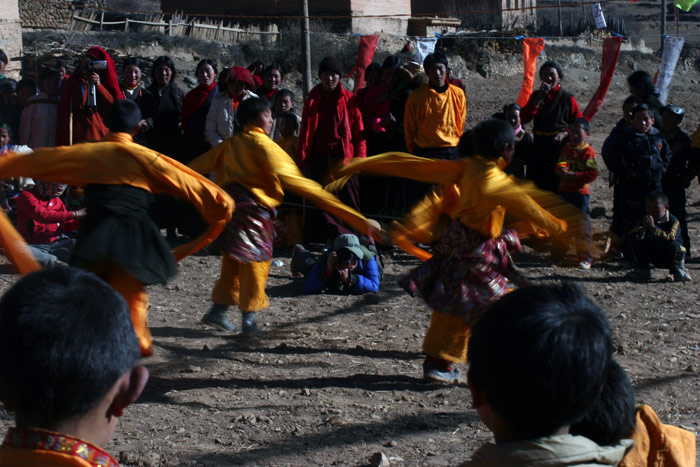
[178, 25]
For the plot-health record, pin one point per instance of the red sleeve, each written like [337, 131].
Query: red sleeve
[358, 131]
[530, 110]
[29, 205]
[575, 110]
[304, 134]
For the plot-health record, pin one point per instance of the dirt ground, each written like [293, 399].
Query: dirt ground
[336, 379]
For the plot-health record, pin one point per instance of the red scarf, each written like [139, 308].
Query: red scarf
[192, 102]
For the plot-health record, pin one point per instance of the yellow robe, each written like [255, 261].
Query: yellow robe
[118, 161]
[434, 119]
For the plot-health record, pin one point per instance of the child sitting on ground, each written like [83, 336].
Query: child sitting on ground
[68, 365]
[350, 268]
[658, 241]
[538, 362]
[577, 168]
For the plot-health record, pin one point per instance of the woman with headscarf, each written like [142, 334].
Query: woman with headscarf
[552, 109]
[271, 83]
[221, 119]
[165, 115]
[195, 107]
[134, 90]
[86, 98]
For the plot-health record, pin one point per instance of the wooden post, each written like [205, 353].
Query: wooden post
[663, 24]
[126, 24]
[561, 31]
[306, 49]
[170, 27]
[102, 19]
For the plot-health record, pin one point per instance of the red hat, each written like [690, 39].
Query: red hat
[238, 73]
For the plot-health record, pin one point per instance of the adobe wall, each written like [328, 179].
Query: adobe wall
[50, 14]
[11, 36]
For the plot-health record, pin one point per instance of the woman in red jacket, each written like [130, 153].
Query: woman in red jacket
[331, 134]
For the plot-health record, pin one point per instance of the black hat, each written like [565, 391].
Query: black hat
[392, 62]
[330, 64]
[124, 116]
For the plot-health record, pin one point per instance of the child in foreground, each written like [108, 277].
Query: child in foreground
[577, 168]
[68, 357]
[657, 240]
[538, 362]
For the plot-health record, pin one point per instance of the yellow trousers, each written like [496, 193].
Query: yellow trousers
[242, 284]
[447, 338]
[134, 293]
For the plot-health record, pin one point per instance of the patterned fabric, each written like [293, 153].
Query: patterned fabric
[249, 236]
[36, 439]
[467, 272]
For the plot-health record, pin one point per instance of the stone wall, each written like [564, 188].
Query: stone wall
[52, 14]
[11, 36]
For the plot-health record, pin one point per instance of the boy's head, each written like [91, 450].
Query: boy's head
[579, 130]
[657, 205]
[329, 71]
[671, 117]
[124, 116]
[490, 139]
[68, 353]
[26, 88]
[511, 114]
[551, 73]
[390, 71]
[255, 111]
[435, 65]
[285, 101]
[288, 123]
[48, 81]
[537, 361]
[373, 74]
[641, 84]
[612, 417]
[643, 118]
[628, 108]
[5, 134]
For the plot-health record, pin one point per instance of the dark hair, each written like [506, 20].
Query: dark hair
[392, 62]
[222, 79]
[555, 65]
[582, 122]
[285, 93]
[373, 67]
[489, 138]
[3, 57]
[163, 60]
[5, 126]
[271, 67]
[292, 117]
[254, 65]
[643, 108]
[249, 109]
[134, 61]
[27, 83]
[632, 100]
[658, 197]
[612, 417]
[509, 107]
[206, 61]
[433, 59]
[124, 115]
[61, 63]
[540, 355]
[642, 81]
[65, 339]
[48, 73]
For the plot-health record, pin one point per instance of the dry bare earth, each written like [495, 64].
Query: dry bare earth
[335, 379]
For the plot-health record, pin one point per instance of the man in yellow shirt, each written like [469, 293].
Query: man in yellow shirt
[434, 118]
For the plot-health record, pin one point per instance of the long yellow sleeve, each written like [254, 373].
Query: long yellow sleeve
[119, 161]
[251, 159]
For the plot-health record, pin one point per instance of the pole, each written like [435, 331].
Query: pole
[306, 49]
[561, 32]
[663, 23]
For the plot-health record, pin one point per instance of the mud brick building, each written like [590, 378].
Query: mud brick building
[11, 35]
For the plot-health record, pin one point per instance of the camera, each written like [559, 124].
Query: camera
[96, 65]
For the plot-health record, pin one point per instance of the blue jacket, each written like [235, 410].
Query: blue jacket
[364, 278]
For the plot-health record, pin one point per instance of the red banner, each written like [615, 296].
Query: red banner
[532, 48]
[611, 53]
[365, 54]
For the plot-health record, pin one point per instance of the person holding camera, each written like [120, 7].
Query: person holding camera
[350, 268]
[86, 99]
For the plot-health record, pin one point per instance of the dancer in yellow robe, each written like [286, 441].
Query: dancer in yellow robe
[255, 172]
[117, 239]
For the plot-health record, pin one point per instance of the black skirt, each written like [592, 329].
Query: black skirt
[118, 231]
